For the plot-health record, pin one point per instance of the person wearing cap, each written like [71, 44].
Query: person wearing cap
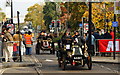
[81, 40]
[9, 38]
[65, 37]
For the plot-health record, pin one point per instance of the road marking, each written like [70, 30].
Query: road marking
[3, 70]
[49, 60]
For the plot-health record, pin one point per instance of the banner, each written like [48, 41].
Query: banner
[107, 45]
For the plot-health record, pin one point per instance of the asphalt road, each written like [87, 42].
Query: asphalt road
[50, 67]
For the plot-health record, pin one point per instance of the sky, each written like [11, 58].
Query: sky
[20, 5]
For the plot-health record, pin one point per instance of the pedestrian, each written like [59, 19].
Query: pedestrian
[28, 42]
[92, 51]
[9, 43]
[17, 39]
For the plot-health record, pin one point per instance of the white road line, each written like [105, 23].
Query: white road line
[3, 70]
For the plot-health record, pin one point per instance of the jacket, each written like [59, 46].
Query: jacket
[28, 40]
[16, 38]
[9, 38]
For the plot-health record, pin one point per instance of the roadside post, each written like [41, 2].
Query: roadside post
[19, 36]
[89, 22]
[114, 24]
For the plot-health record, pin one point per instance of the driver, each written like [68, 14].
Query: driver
[66, 39]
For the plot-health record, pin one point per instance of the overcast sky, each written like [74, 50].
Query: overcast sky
[20, 5]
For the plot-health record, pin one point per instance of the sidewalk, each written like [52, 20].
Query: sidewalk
[109, 60]
[26, 61]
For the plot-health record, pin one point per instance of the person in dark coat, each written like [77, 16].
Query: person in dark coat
[96, 35]
[107, 35]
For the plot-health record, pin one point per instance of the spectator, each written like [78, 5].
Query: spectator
[16, 39]
[9, 39]
[28, 42]
[96, 34]
[92, 51]
[112, 34]
[107, 35]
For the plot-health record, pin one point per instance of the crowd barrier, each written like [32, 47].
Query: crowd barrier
[106, 46]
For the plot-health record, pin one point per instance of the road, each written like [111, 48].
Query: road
[50, 67]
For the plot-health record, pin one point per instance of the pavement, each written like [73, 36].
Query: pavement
[108, 60]
[30, 61]
[26, 61]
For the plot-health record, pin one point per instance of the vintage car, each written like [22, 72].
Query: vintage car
[73, 54]
[44, 45]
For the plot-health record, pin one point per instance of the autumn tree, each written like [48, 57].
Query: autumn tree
[75, 10]
[102, 15]
[35, 16]
[2, 15]
[50, 12]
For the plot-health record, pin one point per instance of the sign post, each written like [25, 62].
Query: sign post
[19, 37]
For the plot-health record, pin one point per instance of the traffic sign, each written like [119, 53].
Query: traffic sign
[80, 25]
[11, 27]
[114, 24]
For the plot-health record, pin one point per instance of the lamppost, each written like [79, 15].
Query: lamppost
[90, 18]
[19, 36]
[11, 12]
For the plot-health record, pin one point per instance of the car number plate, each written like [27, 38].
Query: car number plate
[67, 46]
[77, 57]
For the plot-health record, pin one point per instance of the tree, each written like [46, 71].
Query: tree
[35, 16]
[50, 12]
[75, 11]
[101, 12]
[2, 15]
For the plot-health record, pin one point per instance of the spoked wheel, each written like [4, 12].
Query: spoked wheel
[83, 64]
[59, 59]
[63, 65]
[59, 62]
[51, 51]
[89, 62]
[37, 48]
